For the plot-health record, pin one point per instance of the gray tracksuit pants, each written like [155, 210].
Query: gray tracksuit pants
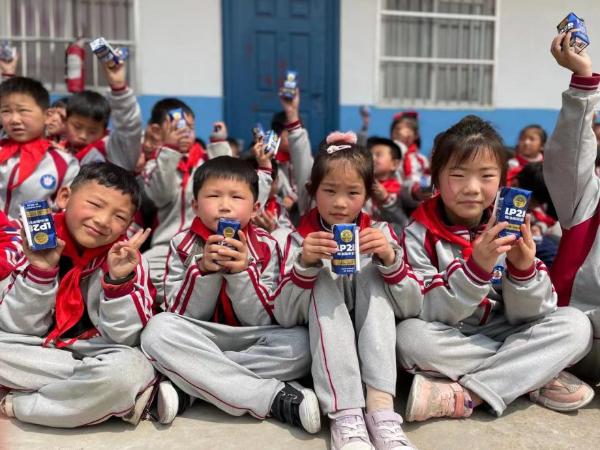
[342, 312]
[86, 383]
[237, 369]
[498, 361]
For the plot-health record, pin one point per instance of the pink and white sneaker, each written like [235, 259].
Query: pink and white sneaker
[348, 431]
[385, 429]
[564, 393]
[432, 397]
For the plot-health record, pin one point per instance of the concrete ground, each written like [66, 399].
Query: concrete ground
[523, 426]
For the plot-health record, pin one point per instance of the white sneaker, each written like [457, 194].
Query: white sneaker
[349, 432]
[385, 429]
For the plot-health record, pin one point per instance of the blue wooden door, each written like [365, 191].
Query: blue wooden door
[264, 38]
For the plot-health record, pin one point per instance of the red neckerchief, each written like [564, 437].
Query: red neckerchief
[407, 163]
[273, 207]
[541, 216]
[428, 215]
[392, 185]
[69, 299]
[30, 155]
[99, 145]
[224, 312]
[189, 162]
[311, 222]
[524, 161]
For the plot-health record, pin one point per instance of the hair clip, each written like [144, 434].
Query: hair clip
[336, 148]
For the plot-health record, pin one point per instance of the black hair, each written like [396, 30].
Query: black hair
[160, 110]
[26, 86]
[465, 140]
[278, 122]
[248, 156]
[394, 148]
[60, 103]
[358, 157]
[111, 176]
[89, 104]
[540, 131]
[228, 168]
[531, 177]
[409, 119]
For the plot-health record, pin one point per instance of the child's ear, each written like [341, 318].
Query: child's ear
[62, 197]
[195, 207]
[396, 164]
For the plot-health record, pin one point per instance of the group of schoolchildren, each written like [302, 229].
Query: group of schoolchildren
[94, 328]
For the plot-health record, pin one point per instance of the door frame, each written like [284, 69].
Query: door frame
[332, 59]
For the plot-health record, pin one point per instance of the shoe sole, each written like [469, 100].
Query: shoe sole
[139, 407]
[567, 407]
[412, 398]
[167, 397]
[310, 414]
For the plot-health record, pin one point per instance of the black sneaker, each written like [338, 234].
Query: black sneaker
[297, 406]
[171, 402]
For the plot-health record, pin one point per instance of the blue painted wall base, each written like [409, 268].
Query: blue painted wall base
[508, 122]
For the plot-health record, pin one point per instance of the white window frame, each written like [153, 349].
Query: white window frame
[58, 85]
[432, 103]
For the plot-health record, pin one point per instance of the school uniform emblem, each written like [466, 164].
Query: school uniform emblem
[48, 181]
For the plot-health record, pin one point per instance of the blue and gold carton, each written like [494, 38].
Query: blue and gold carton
[511, 206]
[106, 52]
[177, 116]
[579, 38]
[38, 225]
[228, 228]
[7, 53]
[346, 260]
[290, 83]
[272, 141]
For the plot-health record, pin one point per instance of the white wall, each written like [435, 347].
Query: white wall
[180, 47]
[358, 23]
[527, 76]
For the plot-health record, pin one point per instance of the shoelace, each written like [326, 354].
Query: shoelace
[351, 428]
[392, 432]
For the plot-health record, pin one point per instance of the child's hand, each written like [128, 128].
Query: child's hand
[374, 241]
[317, 246]
[379, 192]
[291, 107]
[45, 259]
[580, 64]
[209, 261]
[488, 246]
[123, 256]
[10, 67]
[115, 74]
[522, 254]
[219, 132]
[266, 220]
[263, 159]
[177, 138]
[236, 254]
